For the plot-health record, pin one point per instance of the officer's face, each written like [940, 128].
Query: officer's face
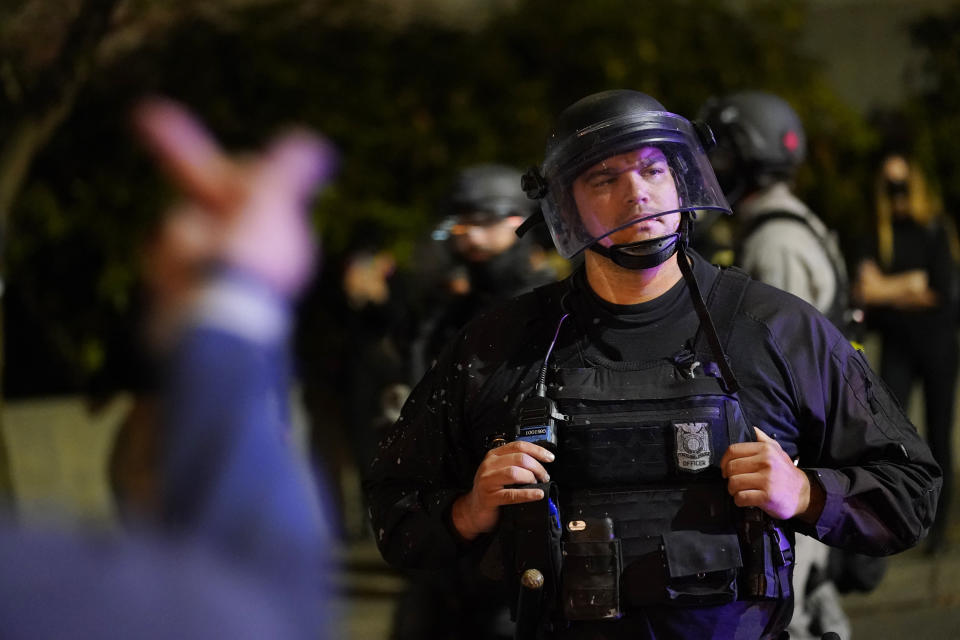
[480, 237]
[626, 187]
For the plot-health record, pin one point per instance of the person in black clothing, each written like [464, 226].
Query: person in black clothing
[649, 433]
[482, 211]
[911, 290]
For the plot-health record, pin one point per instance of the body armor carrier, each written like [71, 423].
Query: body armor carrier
[644, 514]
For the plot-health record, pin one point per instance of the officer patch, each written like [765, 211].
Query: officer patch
[693, 445]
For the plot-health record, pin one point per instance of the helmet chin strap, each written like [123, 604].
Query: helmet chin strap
[646, 254]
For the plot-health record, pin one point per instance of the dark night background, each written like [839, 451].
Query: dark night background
[409, 92]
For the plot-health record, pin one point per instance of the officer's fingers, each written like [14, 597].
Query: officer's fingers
[751, 498]
[739, 450]
[748, 464]
[509, 447]
[514, 496]
[763, 437]
[499, 458]
[521, 446]
[527, 461]
[497, 478]
[747, 482]
[520, 475]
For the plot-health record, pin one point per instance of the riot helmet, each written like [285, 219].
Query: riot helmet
[760, 140]
[601, 145]
[484, 193]
[481, 210]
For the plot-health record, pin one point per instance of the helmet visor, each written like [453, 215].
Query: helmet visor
[626, 179]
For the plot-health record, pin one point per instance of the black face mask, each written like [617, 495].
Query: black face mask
[897, 188]
[502, 274]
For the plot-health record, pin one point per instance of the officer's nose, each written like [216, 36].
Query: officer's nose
[636, 188]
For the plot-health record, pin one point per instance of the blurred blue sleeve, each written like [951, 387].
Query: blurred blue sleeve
[231, 477]
[249, 558]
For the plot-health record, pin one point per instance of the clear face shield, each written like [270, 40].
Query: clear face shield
[626, 180]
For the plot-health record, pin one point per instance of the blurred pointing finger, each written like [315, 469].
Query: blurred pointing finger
[188, 152]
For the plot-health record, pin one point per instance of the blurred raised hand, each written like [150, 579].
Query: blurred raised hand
[250, 214]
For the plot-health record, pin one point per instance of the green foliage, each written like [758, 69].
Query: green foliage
[405, 107]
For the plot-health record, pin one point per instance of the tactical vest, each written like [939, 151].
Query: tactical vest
[645, 517]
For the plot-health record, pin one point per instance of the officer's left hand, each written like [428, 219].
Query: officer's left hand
[761, 474]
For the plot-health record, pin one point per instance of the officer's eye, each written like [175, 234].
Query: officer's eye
[655, 170]
[603, 180]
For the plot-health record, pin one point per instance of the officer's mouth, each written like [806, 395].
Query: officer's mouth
[641, 223]
[641, 217]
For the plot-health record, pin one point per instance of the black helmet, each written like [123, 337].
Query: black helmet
[760, 140]
[607, 124]
[483, 192]
[488, 188]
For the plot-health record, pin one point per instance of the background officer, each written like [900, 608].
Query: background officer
[760, 144]
[481, 213]
[489, 264]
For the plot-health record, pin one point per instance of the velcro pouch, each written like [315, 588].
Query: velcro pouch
[701, 567]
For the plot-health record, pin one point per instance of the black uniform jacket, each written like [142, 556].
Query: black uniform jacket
[802, 383]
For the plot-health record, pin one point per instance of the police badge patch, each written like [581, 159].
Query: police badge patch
[693, 445]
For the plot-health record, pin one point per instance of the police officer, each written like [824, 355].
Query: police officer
[677, 422]
[483, 208]
[760, 144]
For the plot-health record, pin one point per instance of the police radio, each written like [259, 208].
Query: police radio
[537, 415]
[537, 422]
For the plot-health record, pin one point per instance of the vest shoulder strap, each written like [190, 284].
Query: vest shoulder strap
[724, 300]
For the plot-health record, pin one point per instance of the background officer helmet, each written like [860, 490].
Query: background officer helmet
[483, 194]
[760, 140]
[607, 124]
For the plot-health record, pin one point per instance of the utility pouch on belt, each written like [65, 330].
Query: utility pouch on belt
[592, 565]
[530, 538]
[701, 568]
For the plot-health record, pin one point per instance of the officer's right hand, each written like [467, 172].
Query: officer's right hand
[516, 462]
